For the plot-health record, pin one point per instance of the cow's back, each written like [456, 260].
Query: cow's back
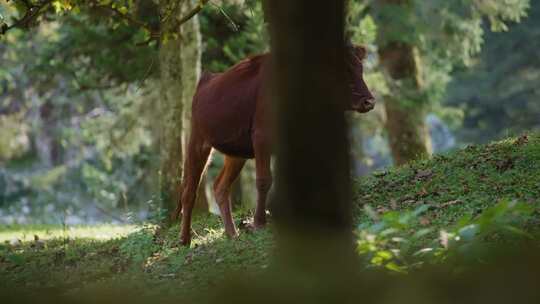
[224, 107]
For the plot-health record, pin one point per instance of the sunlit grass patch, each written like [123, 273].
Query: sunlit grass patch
[25, 233]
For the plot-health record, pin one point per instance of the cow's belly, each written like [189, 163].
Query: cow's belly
[224, 112]
[228, 132]
[233, 139]
[235, 149]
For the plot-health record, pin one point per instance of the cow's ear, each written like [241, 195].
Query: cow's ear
[361, 52]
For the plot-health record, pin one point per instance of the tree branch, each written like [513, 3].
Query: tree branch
[32, 12]
[127, 17]
[191, 14]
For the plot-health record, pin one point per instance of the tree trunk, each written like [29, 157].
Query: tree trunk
[312, 202]
[247, 179]
[407, 132]
[191, 45]
[243, 193]
[405, 111]
[358, 155]
[237, 199]
[171, 108]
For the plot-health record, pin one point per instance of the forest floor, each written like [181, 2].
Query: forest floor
[424, 202]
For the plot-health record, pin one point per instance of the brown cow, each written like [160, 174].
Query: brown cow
[230, 114]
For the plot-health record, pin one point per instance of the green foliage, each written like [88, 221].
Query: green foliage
[445, 34]
[395, 241]
[93, 55]
[77, 115]
[450, 30]
[360, 26]
[451, 209]
[231, 33]
[139, 245]
[14, 140]
[499, 94]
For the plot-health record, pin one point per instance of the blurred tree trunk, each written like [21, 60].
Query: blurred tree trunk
[171, 108]
[237, 194]
[243, 193]
[44, 139]
[312, 203]
[407, 130]
[191, 46]
[358, 155]
[180, 68]
[247, 179]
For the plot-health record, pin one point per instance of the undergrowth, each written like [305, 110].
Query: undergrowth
[450, 209]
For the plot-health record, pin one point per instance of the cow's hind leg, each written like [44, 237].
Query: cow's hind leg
[222, 190]
[196, 158]
[263, 178]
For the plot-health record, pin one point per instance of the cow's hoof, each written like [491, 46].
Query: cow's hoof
[185, 241]
[258, 226]
[252, 227]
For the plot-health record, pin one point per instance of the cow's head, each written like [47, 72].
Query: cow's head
[362, 100]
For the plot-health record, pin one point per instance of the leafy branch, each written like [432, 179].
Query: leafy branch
[191, 14]
[33, 10]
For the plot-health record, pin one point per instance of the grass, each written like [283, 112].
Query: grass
[81, 259]
[462, 183]
[145, 259]
[25, 233]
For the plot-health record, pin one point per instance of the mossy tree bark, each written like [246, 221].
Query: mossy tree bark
[407, 131]
[180, 68]
[171, 105]
[190, 58]
[171, 129]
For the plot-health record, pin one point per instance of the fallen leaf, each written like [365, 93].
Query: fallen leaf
[382, 209]
[419, 203]
[522, 140]
[450, 203]
[409, 202]
[505, 164]
[393, 204]
[424, 221]
[407, 197]
[167, 276]
[422, 174]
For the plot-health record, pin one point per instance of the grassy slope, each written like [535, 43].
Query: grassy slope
[464, 182]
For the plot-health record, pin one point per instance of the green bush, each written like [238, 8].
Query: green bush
[394, 241]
